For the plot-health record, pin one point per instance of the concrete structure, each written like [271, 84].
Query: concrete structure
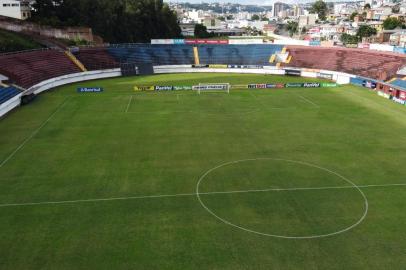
[15, 9]
[278, 8]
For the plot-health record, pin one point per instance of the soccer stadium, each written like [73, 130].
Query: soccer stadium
[202, 154]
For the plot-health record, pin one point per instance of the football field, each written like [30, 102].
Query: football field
[290, 178]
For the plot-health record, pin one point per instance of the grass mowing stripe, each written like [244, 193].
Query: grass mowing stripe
[194, 194]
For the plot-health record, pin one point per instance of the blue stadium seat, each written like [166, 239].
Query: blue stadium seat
[155, 54]
[238, 54]
[183, 54]
[399, 83]
[8, 93]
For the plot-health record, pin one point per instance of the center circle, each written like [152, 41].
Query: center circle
[282, 198]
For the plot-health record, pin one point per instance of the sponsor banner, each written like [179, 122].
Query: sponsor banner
[144, 88]
[210, 87]
[182, 87]
[206, 41]
[351, 45]
[178, 41]
[200, 66]
[218, 66]
[89, 89]
[383, 94]
[246, 41]
[294, 85]
[162, 41]
[325, 76]
[329, 85]
[311, 85]
[402, 95]
[163, 88]
[314, 43]
[246, 66]
[239, 86]
[398, 100]
[363, 45]
[293, 72]
[369, 84]
[270, 85]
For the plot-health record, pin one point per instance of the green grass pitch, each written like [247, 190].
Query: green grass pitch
[109, 180]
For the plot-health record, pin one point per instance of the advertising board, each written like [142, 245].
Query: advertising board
[90, 89]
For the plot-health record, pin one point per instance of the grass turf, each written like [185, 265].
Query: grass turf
[120, 143]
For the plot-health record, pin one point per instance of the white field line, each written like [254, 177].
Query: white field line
[194, 194]
[34, 133]
[129, 104]
[308, 101]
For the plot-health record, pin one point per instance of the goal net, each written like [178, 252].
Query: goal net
[213, 87]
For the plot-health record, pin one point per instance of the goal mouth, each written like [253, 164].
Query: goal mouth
[212, 87]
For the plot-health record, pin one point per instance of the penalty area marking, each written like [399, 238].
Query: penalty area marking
[363, 216]
[308, 101]
[34, 133]
[129, 104]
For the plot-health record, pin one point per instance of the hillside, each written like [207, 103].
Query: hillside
[10, 42]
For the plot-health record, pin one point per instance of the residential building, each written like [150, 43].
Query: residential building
[15, 9]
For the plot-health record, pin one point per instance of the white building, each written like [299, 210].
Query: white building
[15, 9]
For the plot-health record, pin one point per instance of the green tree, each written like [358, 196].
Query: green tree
[349, 39]
[201, 31]
[115, 21]
[292, 27]
[320, 7]
[255, 17]
[392, 23]
[365, 31]
[352, 16]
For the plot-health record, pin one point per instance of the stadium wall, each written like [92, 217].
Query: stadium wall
[72, 78]
[10, 105]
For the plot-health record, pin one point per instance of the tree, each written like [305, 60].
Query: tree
[396, 9]
[392, 23]
[320, 7]
[365, 31]
[115, 21]
[292, 27]
[255, 17]
[221, 18]
[201, 31]
[349, 39]
[352, 16]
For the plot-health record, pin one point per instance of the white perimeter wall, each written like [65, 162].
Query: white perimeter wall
[72, 78]
[339, 77]
[10, 104]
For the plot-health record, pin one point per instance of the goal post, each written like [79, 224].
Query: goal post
[213, 87]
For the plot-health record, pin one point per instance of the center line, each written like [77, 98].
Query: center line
[194, 194]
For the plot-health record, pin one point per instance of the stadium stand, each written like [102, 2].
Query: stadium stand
[238, 54]
[31, 67]
[96, 58]
[400, 83]
[155, 54]
[7, 93]
[366, 63]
